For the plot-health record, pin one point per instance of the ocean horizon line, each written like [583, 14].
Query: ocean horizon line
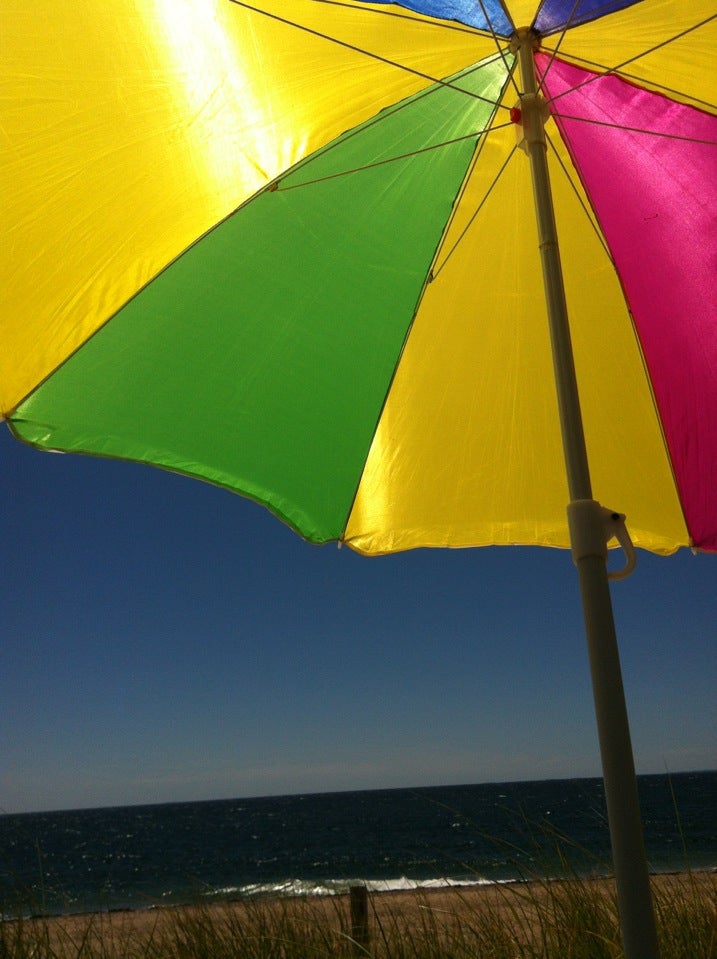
[310, 794]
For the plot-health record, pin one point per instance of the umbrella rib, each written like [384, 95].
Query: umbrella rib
[666, 91]
[554, 52]
[636, 80]
[622, 128]
[428, 19]
[377, 163]
[640, 82]
[596, 13]
[361, 50]
[437, 270]
[384, 115]
[499, 47]
[589, 213]
[397, 15]
[618, 67]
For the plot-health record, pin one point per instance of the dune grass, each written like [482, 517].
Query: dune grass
[575, 919]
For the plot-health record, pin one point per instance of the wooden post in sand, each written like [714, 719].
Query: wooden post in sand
[359, 917]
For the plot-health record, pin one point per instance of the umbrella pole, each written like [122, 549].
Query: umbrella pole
[588, 540]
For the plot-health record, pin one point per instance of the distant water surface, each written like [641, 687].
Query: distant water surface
[141, 856]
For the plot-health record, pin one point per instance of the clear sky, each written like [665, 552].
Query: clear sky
[164, 640]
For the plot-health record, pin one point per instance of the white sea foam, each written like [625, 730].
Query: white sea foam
[337, 887]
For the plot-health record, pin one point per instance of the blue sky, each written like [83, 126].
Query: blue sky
[164, 640]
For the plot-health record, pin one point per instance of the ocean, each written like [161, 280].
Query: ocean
[136, 857]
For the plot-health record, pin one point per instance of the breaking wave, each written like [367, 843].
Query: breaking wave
[337, 887]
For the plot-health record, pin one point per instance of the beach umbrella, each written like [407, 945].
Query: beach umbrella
[409, 275]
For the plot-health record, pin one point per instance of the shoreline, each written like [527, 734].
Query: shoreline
[406, 910]
[428, 888]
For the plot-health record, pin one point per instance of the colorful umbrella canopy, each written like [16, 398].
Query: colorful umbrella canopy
[289, 248]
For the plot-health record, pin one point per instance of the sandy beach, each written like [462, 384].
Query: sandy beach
[514, 904]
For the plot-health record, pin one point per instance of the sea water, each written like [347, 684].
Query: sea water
[145, 856]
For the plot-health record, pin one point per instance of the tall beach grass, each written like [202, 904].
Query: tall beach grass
[573, 919]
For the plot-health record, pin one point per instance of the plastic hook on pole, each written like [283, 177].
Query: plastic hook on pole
[592, 526]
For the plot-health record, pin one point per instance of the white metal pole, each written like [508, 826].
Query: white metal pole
[637, 920]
